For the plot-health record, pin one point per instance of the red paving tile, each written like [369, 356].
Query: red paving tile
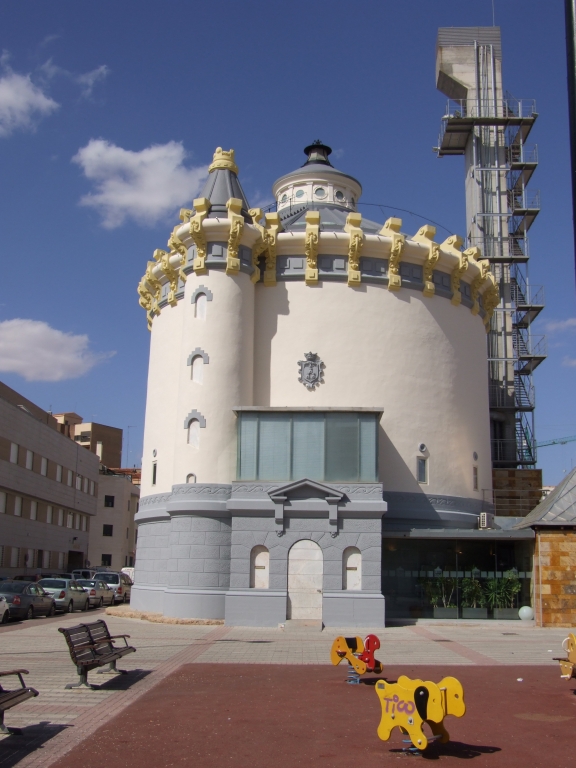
[255, 716]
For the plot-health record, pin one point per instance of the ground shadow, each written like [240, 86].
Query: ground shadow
[15, 748]
[252, 642]
[457, 749]
[118, 682]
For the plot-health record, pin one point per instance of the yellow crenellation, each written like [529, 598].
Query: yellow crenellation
[426, 235]
[311, 246]
[391, 229]
[202, 208]
[353, 222]
[236, 219]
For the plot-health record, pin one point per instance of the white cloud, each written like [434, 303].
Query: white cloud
[560, 325]
[22, 103]
[89, 79]
[569, 362]
[144, 186]
[34, 350]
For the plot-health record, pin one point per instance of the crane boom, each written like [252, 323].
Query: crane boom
[558, 441]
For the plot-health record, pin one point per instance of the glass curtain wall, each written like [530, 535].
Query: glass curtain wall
[451, 578]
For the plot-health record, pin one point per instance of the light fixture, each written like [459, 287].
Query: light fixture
[422, 448]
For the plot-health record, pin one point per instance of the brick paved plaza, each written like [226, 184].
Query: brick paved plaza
[59, 720]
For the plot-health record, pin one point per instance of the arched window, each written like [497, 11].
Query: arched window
[194, 433]
[352, 569]
[200, 306]
[198, 369]
[191, 478]
[259, 568]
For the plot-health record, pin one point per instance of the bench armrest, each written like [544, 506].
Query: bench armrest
[15, 672]
[115, 637]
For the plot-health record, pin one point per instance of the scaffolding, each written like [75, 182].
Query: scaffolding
[491, 130]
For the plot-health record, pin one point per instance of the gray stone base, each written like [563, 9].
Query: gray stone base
[353, 609]
[194, 603]
[255, 607]
[147, 598]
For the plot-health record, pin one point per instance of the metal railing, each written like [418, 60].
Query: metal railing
[502, 248]
[513, 502]
[519, 396]
[523, 201]
[529, 346]
[518, 154]
[500, 108]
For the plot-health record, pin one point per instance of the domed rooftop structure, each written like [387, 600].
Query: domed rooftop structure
[318, 186]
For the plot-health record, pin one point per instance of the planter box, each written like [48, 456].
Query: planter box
[506, 613]
[474, 613]
[445, 613]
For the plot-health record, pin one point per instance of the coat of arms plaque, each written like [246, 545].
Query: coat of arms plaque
[311, 370]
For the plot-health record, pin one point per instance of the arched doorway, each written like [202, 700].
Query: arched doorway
[305, 573]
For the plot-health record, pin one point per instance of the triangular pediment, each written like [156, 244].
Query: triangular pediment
[306, 489]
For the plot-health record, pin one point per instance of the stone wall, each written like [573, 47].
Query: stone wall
[555, 585]
[516, 491]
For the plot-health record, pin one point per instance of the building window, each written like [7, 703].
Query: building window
[127, 532]
[108, 501]
[58, 473]
[352, 569]
[198, 369]
[78, 482]
[154, 472]
[49, 514]
[321, 446]
[422, 469]
[77, 522]
[259, 568]
[128, 505]
[91, 487]
[2, 502]
[84, 522]
[18, 506]
[107, 530]
[60, 517]
[29, 459]
[85, 485]
[46, 559]
[69, 481]
[14, 557]
[191, 478]
[69, 520]
[200, 306]
[106, 560]
[194, 433]
[475, 478]
[29, 558]
[13, 453]
[33, 510]
[60, 560]
[44, 466]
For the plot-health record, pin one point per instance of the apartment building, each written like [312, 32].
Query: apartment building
[104, 441]
[112, 534]
[48, 490]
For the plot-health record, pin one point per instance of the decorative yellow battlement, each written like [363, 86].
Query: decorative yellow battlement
[223, 159]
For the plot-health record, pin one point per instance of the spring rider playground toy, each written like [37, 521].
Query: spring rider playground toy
[408, 704]
[568, 664]
[359, 654]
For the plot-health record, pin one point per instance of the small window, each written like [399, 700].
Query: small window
[84, 522]
[45, 559]
[77, 522]
[107, 530]
[128, 505]
[60, 517]
[154, 473]
[29, 459]
[69, 480]
[198, 369]
[191, 478]
[44, 466]
[194, 433]
[91, 487]
[14, 557]
[13, 453]
[200, 306]
[2, 502]
[475, 478]
[106, 560]
[85, 485]
[33, 510]
[60, 560]
[422, 469]
[49, 512]
[69, 520]
[259, 568]
[127, 532]
[78, 482]
[18, 506]
[108, 501]
[58, 473]
[352, 569]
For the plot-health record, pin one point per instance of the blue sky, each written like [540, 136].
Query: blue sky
[110, 113]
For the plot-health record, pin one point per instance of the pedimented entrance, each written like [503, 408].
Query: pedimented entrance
[305, 576]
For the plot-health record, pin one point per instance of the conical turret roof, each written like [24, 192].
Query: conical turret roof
[222, 184]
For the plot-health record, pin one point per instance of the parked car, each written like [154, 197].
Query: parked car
[129, 571]
[27, 600]
[119, 582]
[99, 593]
[84, 573]
[44, 575]
[67, 593]
[4, 610]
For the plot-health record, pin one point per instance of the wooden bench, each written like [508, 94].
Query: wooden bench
[91, 646]
[9, 699]
[568, 663]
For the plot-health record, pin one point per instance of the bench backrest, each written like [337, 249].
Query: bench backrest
[85, 634]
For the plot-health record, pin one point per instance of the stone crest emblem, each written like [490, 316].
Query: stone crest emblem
[311, 370]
